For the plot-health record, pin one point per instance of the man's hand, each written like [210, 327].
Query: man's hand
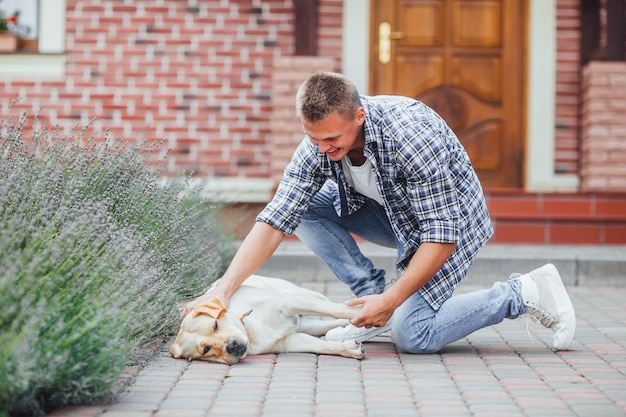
[214, 291]
[376, 310]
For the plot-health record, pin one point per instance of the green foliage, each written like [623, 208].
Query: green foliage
[3, 22]
[96, 249]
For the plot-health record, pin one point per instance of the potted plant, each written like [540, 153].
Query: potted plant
[8, 39]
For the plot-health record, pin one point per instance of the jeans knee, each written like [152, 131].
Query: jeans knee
[415, 344]
[414, 339]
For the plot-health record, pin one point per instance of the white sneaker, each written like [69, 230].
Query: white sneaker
[358, 334]
[545, 296]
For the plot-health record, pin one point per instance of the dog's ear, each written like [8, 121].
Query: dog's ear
[213, 308]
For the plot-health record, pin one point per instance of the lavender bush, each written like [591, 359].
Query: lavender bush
[95, 252]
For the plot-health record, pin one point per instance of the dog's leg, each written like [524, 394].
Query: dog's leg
[317, 326]
[308, 306]
[302, 342]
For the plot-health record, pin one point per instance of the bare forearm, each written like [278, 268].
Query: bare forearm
[378, 308]
[425, 263]
[255, 250]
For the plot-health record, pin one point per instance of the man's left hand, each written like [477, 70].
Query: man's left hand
[376, 311]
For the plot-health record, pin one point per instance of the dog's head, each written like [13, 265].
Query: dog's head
[209, 333]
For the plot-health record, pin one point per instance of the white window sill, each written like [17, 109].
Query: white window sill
[32, 66]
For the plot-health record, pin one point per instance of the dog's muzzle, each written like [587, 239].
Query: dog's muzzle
[236, 347]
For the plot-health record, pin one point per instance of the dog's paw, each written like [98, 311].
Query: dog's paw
[355, 349]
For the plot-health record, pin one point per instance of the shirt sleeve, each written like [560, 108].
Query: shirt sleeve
[425, 155]
[301, 180]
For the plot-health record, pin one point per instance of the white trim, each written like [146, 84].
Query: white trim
[32, 66]
[355, 43]
[234, 190]
[52, 26]
[540, 175]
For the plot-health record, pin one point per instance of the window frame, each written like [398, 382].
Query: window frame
[49, 60]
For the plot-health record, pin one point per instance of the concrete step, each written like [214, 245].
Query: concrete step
[579, 265]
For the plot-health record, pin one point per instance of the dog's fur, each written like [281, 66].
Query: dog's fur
[266, 315]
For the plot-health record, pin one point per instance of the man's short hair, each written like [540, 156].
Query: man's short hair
[324, 93]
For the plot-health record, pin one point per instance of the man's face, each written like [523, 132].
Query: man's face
[335, 135]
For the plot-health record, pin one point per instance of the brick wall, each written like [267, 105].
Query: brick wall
[590, 218]
[567, 113]
[196, 73]
[604, 126]
[200, 75]
[289, 72]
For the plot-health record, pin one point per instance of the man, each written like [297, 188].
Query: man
[389, 169]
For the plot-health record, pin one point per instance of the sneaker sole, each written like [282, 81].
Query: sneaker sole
[372, 332]
[364, 334]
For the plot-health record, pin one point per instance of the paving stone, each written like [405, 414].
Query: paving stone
[180, 413]
[77, 411]
[598, 409]
[192, 403]
[495, 372]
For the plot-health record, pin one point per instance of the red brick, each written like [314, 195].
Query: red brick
[522, 205]
[606, 207]
[519, 232]
[575, 233]
[615, 234]
[572, 206]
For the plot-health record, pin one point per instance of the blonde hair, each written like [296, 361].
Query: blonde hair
[324, 93]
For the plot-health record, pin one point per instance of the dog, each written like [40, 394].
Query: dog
[266, 315]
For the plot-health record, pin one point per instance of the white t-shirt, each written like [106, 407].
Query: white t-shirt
[362, 178]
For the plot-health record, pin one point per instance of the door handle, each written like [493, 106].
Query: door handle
[385, 36]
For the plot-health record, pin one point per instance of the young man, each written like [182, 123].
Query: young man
[389, 169]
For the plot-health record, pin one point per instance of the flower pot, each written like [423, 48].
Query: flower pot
[8, 42]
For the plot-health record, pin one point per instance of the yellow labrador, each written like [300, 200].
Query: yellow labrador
[266, 315]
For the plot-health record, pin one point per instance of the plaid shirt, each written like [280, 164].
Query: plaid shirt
[430, 190]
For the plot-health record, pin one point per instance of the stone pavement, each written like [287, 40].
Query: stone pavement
[495, 372]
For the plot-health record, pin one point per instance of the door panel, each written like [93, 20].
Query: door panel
[464, 58]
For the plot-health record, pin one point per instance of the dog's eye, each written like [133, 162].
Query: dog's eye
[215, 326]
[206, 350]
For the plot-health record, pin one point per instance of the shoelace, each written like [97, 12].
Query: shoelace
[541, 316]
[530, 318]
[538, 315]
[535, 315]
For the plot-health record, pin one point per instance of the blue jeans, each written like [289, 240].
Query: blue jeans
[417, 327]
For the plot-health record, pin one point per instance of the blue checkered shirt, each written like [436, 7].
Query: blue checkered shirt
[430, 190]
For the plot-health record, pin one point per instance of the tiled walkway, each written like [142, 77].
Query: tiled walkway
[496, 372]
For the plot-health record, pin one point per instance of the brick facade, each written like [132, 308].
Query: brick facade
[288, 73]
[200, 75]
[604, 126]
[217, 79]
[567, 111]
[196, 73]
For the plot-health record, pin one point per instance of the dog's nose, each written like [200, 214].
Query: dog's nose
[236, 347]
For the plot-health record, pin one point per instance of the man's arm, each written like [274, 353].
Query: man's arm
[427, 260]
[255, 250]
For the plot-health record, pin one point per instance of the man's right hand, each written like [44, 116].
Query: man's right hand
[212, 292]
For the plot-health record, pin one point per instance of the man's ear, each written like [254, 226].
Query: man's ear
[213, 308]
[360, 116]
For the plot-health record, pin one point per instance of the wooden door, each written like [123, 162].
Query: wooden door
[465, 59]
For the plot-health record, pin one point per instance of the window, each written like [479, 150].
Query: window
[22, 21]
[41, 54]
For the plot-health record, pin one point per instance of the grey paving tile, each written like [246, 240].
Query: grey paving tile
[498, 371]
